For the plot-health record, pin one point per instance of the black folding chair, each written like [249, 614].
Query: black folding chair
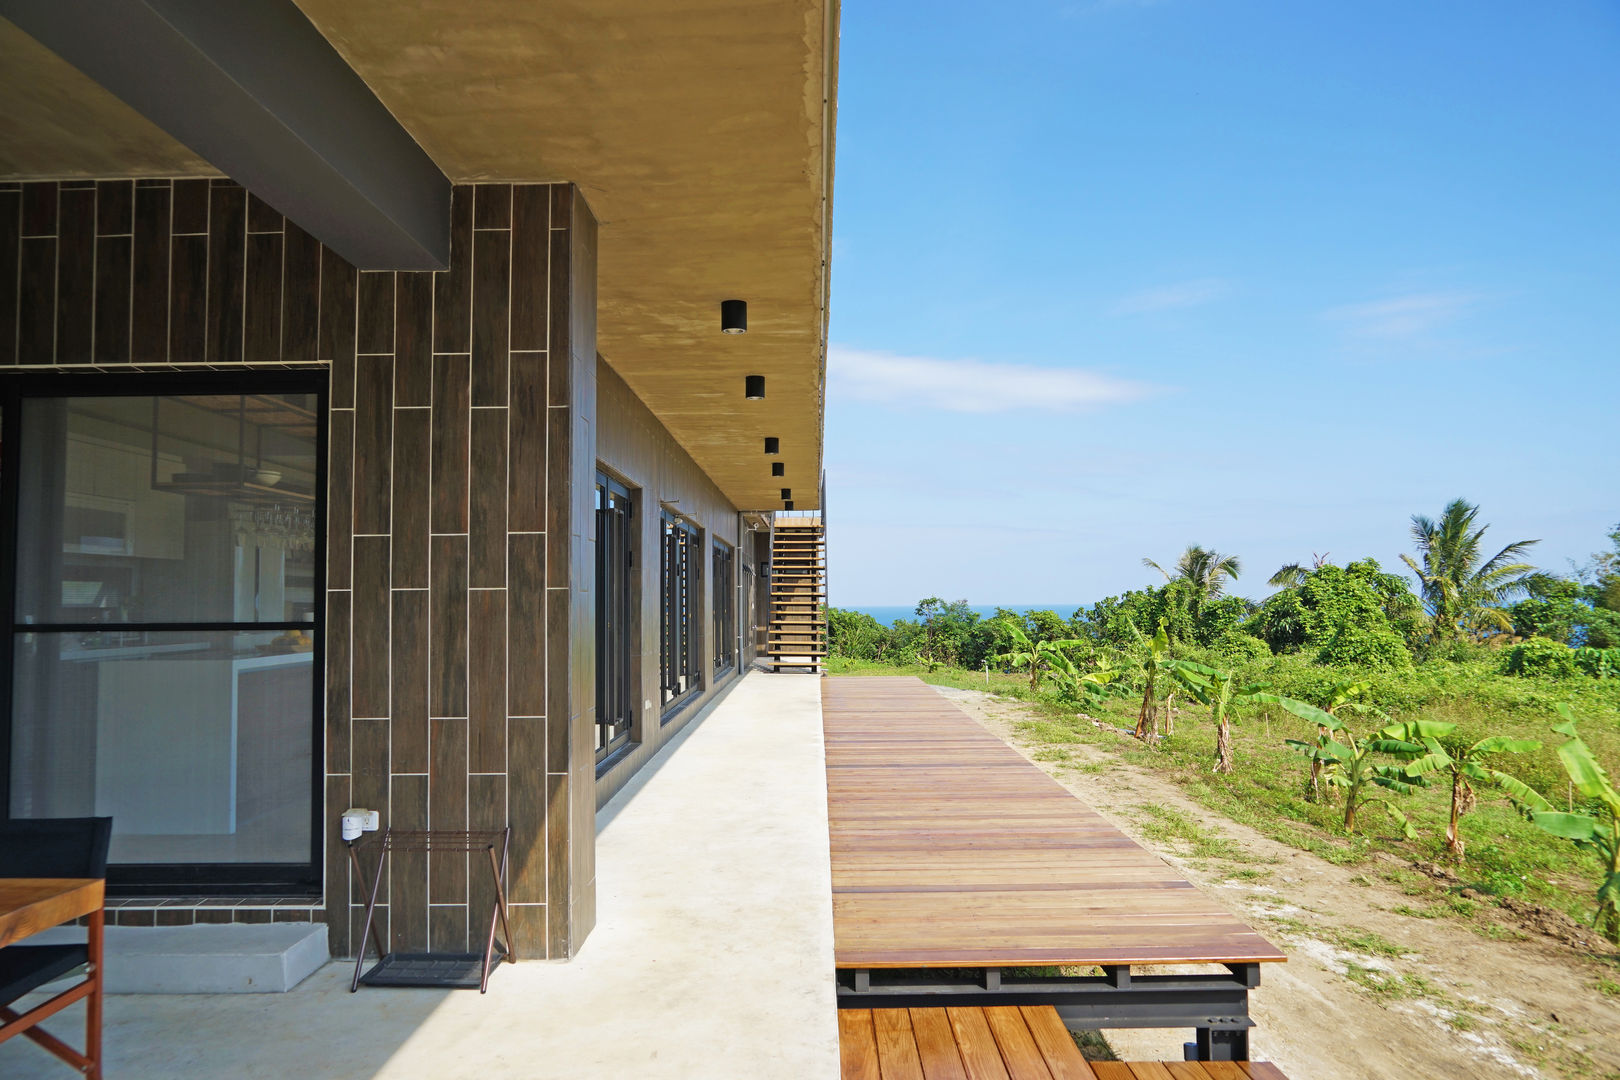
[55, 848]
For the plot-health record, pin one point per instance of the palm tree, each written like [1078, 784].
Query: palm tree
[1204, 570]
[1458, 588]
[1293, 575]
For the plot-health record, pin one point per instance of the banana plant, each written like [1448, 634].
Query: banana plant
[1346, 762]
[1224, 694]
[1074, 685]
[1598, 832]
[1038, 656]
[1468, 765]
[1160, 668]
[1343, 695]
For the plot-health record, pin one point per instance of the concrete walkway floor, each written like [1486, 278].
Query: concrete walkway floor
[712, 956]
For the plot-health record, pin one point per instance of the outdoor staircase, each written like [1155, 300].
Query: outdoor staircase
[797, 636]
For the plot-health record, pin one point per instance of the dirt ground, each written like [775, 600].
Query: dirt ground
[1449, 1002]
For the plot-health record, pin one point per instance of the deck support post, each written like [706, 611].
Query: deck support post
[1118, 977]
[992, 979]
[1219, 1044]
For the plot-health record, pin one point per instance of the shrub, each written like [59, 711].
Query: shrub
[1540, 657]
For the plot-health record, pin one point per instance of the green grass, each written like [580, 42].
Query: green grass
[1506, 855]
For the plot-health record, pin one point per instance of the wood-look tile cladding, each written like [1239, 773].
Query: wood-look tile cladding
[631, 443]
[459, 633]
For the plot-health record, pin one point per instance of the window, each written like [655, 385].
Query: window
[165, 624]
[725, 607]
[615, 586]
[682, 632]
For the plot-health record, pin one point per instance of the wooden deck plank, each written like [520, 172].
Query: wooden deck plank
[1063, 1057]
[974, 1041]
[896, 1047]
[1150, 1070]
[857, 1045]
[936, 1045]
[949, 848]
[1112, 1070]
[1023, 1059]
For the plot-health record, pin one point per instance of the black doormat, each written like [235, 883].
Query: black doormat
[446, 971]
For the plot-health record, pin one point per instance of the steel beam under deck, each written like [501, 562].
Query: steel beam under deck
[1216, 1006]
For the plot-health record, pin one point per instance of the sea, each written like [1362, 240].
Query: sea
[889, 613]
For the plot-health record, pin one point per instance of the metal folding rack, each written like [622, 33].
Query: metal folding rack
[441, 970]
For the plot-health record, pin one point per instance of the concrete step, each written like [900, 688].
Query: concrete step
[239, 958]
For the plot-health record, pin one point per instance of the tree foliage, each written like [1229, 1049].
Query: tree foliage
[1340, 616]
[1462, 590]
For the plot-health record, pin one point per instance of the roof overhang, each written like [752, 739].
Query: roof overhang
[700, 134]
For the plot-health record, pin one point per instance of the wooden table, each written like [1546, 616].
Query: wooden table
[29, 905]
[951, 851]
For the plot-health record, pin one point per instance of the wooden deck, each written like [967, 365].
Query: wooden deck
[999, 1043]
[949, 849]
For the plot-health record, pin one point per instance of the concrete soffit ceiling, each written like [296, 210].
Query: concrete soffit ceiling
[700, 134]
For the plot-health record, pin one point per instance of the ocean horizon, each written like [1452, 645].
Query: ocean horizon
[888, 613]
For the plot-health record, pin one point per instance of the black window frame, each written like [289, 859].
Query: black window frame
[291, 880]
[723, 604]
[616, 597]
[681, 615]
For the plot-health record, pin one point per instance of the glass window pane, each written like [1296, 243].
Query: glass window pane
[197, 508]
[197, 743]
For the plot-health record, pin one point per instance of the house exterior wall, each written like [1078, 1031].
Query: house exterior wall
[459, 624]
[633, 445]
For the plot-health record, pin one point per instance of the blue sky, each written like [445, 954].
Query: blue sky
[1114, 277]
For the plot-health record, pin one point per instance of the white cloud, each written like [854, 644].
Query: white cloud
[970, 386]
[1182, 294]
[1403, 317]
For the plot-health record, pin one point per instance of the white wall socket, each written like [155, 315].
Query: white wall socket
[357, 820]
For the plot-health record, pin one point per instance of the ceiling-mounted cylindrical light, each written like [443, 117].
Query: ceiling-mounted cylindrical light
[734, 316]
[773, 445]
[778, 469]
[787, 493]
[754, 386]
[787, 504]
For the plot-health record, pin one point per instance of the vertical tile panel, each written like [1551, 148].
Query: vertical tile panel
[531, 250]
[558, 843]
[407, 880]
[339, 497]
[492, 206]
[526, 458]
[336, 337]
[526, 620]
[227, 235]
[559, 689]
[412, 455]
[371, 783]
[491, 285]
[75, 275]
[486, 796]
[558, 341]
[487, 679]
[112, 300]
[338, 799]
[447, 929]
[448, 648]
[39, 208]
[262, 217]
[448, 807]
[338, 673]
[261, 311]
[374, 329]
[300, 296]
[487, 520]
[36, 313]
[10, 243]
[559, 496]
[113, 207]
[409, 680]
[188, 289]
[452, 288]
[450, 434]
[190, 206]
[526, 805]
[373, 443]
[529, 931]
[149, 311]
[413, 339]
[371, 622]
